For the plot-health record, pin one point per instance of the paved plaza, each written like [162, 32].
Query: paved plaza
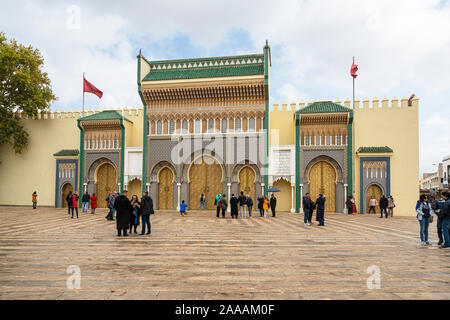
[202, 257]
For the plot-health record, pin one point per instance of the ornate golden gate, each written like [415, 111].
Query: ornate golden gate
[165, 189]
[67, 187]
[322, 179]
[247, 182]
[106, 183]
[204, 178]
[375, 191]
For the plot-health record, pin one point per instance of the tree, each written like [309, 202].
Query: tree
[24, 87]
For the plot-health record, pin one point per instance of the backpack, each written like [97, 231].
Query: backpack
[312, 206]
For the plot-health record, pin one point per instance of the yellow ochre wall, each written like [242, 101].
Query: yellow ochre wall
[392, 124]
[282, 125]
[35, 168]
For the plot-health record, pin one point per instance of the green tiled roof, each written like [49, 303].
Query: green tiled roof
[324, 107]
[104, 115]
[243, 65]
[384, 149]
[67, 153]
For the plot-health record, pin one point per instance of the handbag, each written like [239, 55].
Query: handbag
[431, 219]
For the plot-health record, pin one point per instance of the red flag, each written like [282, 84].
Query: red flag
[89, 87]
[353, 70]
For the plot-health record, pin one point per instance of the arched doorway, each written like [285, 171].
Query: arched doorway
[165, 189]
[284, 196]
[134, 188]
[375, 191]
[106, 178]
[204, 177]
[65, 191]
[247, 182]
[322, 179]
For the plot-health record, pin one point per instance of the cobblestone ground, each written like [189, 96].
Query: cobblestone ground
[202, 257]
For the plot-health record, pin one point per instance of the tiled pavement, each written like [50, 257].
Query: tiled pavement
[201, 257]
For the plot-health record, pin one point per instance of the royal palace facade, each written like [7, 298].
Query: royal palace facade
[206, 126]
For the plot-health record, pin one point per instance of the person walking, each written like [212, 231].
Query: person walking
[372, 204]
[146, 211]
[123, 209]
[202, 201]
[183, 209]
[224, 204]
[266, 205]
[391, 206]
[424, 212]
[85, 202]
[111, 199]
[306, 209]
[34, 199]
[242, 204]
[348, 204]
[249, 205]
[383, 206]
[217, 204]
[93, 203]
[234, 206]
[75, 198]
[69, 201]
[273, 204]
[445, 216]
[354, 210]
[320, 203]
[438, 208]
[134, 216]
[260, 205]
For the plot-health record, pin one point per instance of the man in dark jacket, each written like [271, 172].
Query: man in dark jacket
[234, 206]
[123, 211]
[273, 204]
[445, 215]
[306, 209]
[85, 201]
[438, 207]
[320, 215]
[383, 206]
[249, 205]
[69, 201]
[242, 204]
[146, 211]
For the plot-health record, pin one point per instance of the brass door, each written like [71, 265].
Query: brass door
[204, 178]
[106, 183]
[322, 179]
[375, 191]
[165, 189]
[247, 182]
[135, 188]
[67, 187]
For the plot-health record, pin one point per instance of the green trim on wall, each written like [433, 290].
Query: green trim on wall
[266, 117]
[297, 164]
[80, 184]
[145, 126]
[350, 153]
[122, 156]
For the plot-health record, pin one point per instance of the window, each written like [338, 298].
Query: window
[99, 144]
[317, 142]
[197, 126]
[338, 140]
[237, 125]
[328, 140]
[116, 144]
[252, 124]
[159, 127]
[184, 126]
[106, 144]
[210, 125]
[307, 140]
[171, 126]
[224, 126]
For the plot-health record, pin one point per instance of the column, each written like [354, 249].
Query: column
[345, 198]
[147, 187]
[118, 189]
[229, 197]
[262, 189]
[178, 195]
[301, 197]
[85, 187]
[125, 186]
[292, 198]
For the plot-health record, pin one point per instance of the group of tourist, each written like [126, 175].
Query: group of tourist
[86, 200]
[387, 205]
[309, 206]
[441, 208]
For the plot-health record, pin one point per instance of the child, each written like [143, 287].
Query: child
[183, 207]
[34, 199]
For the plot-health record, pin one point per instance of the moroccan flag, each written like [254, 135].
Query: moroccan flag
[353, 70]
[89, 87]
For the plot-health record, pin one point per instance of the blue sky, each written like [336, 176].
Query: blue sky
[401, 47]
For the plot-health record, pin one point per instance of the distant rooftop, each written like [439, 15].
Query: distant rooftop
[67, 153]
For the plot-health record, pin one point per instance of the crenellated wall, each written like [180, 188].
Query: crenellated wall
[35, 168]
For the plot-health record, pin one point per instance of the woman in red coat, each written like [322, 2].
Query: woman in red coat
[93, 203]
[75, 203]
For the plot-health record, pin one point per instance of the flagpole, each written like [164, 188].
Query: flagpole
[353, 87]
[83, 96]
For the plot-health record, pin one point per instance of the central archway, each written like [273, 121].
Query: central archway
[373, 191]
[106, 177]
[165, 189]
[322, 179]
[65, 191]
[204, 177]
[247, 181]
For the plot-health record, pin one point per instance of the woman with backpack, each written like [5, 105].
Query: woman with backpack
[424, 211]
